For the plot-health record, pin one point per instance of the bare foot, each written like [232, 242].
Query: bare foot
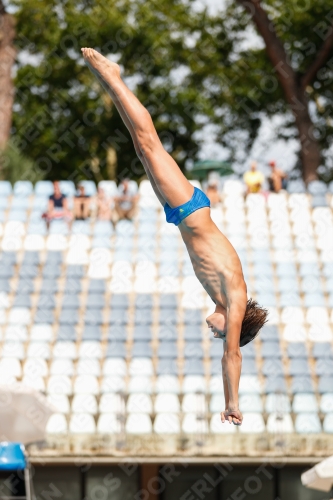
[100, 66]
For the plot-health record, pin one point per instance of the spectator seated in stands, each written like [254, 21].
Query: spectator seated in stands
[213, 193]
[253, 179]
[277, 179]
[81, 204]
[125, 203]
[58, 206]
[103, 205]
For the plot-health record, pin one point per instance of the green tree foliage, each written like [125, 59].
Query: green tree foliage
[15, 166]
[66, 122]
[288, 73]
[62, 116]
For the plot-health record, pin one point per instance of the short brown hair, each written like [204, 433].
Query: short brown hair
[254, 319]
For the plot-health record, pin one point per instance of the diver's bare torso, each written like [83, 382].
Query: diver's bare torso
[215, 261]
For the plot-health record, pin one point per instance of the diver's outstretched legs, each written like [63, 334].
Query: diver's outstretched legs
[170, 185]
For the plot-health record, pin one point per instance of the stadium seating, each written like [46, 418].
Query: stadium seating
[110, 322]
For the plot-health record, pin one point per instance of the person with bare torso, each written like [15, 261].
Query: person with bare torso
[236, 319]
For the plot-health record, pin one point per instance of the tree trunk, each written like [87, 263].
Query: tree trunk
[310, 153]
[293, 86]
[7, 59]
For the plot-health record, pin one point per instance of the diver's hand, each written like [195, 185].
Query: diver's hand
[233, 416]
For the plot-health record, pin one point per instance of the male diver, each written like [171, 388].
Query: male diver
[216, 264]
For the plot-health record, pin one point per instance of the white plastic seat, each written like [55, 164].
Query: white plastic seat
[115, 366]
[86, 384]
[168, 284]
[326, 403]
[11, 243]
[16, 333]
[194, 403]
[35, 367]
[122, 268]
[112, 403]
[13, 350]
[88, 366]
[277, 403]
[139, 403]
[57, 424]
[194, 383]
[194, 424]
[145, 269]
[273, 316]
[109, 423]
[233, 187]
[167, 423]
[34, 382]
[167, 384]
[216, 385]
[77, 256]
[190, 285]
[140, 384]
[109, 188]
[59, 384]
[294, 332]
[56, 242]
[64, 349]
[14, 228]
[217, 403]
[141, 366]
[292, 314]
[320, 333]
[112, 383]
[328, 423]
[145, 285]
[39, 350]
[253, 423]
[34, 242]
[84, 403]
[100, 256]
[60, 402]
[249, 384]
[79, 242]
[306, 256]
[10, 367]
[249, 403]
[307, 423]
[317, 315]
[138, 423]
[99, 271]
[4, 300]
[145, 188]
[217, 427]
[120, 285]
[19, 316]
[167, 403]
[280, 423]
[90, 349]
[41, 332]
[305, 403]
[82, 423]
[62, 366]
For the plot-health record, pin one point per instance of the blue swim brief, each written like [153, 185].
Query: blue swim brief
[176, 215]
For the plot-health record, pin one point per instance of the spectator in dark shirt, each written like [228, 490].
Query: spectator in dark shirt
[58, 206]
[277, 179]
[81, 204]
